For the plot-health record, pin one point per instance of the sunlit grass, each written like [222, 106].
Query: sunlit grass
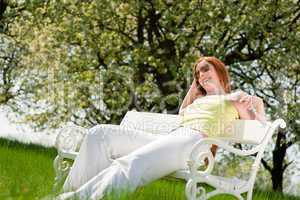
[26, 173]
[25, 170]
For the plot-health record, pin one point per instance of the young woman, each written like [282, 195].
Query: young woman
[116, 158]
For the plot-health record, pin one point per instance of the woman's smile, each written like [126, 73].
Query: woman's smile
[207, 80]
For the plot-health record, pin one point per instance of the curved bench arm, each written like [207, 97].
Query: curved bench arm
[197, 155]
[69, 138]
[224, 145]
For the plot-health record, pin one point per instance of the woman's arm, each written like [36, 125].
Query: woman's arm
[191, 95]
[254, 106]
[259, 109]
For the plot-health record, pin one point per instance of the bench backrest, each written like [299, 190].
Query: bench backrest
[245, 131]
[156, 123]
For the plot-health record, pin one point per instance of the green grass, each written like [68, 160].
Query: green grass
[26, 173]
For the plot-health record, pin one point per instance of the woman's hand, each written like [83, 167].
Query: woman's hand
[246, 100]
[194, 89]
[192, 94]
[250, 103]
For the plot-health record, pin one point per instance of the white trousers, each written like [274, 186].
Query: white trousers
[116, 157]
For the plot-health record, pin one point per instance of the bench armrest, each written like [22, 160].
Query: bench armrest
[69, 139]
[226, 146]
[200, 151]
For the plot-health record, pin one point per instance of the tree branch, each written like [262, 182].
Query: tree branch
[266, 165]
[286, 165]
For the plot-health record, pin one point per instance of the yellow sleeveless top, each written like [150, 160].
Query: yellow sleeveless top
[212, 115]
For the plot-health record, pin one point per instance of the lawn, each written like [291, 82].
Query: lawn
[26, 173]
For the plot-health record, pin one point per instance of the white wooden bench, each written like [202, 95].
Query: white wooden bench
[245, 132]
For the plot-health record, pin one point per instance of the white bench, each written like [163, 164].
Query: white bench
[246, 132]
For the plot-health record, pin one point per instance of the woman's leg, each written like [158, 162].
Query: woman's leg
[150, 162]
[100, 146]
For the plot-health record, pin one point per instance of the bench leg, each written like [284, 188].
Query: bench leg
[249, 194]
[61, 168]
[193, 192]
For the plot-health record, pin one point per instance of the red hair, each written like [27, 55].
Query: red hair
[220, 70]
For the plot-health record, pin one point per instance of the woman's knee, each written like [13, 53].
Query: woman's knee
[98, 129]
[96, 133]
[101, 131]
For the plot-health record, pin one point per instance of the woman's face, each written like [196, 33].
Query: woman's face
[208, 77]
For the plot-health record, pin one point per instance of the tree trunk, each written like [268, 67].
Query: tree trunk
[277, 179]
[278, 162]
[3, 5]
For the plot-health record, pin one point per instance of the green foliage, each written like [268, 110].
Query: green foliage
[137, 54]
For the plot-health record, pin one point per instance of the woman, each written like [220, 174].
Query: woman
[113, 157]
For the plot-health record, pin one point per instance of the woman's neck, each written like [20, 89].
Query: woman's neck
[215, 92]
